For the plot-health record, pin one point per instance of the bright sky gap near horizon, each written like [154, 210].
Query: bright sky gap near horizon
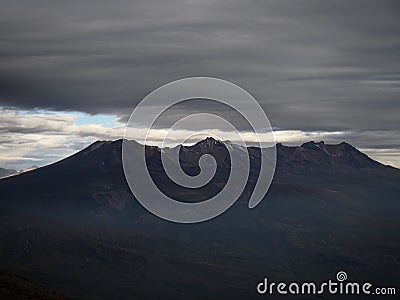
[71, 72]
[68, 132]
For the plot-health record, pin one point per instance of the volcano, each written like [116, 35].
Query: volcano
[74, 226]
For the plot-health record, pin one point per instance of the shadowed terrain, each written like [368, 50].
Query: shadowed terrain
[13, 287]
[75, 227]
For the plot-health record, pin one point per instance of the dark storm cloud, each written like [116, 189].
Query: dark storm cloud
[311, 64]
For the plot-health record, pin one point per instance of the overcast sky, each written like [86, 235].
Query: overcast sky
[72, 71]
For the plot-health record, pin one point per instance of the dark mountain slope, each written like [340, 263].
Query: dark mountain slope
[13, 287]
[86, 184]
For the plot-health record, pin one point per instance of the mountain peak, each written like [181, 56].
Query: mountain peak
[341, 155]
[312, 144]
[209, 141]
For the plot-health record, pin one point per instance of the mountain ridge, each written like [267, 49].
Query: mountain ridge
[7, 172]
[309, 154]
[12, 172]
[300, 153]
[329, 149]
[91, 183]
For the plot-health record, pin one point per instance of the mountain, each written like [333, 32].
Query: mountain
[75, 227]
[12, 172]
[7, 172]
[91, 183]
[342, 155]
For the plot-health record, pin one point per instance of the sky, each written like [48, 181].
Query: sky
[71, 72]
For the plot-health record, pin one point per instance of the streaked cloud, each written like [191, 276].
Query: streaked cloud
[39, 138]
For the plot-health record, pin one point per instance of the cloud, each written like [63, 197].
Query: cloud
[37, 138]
[311, 64]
